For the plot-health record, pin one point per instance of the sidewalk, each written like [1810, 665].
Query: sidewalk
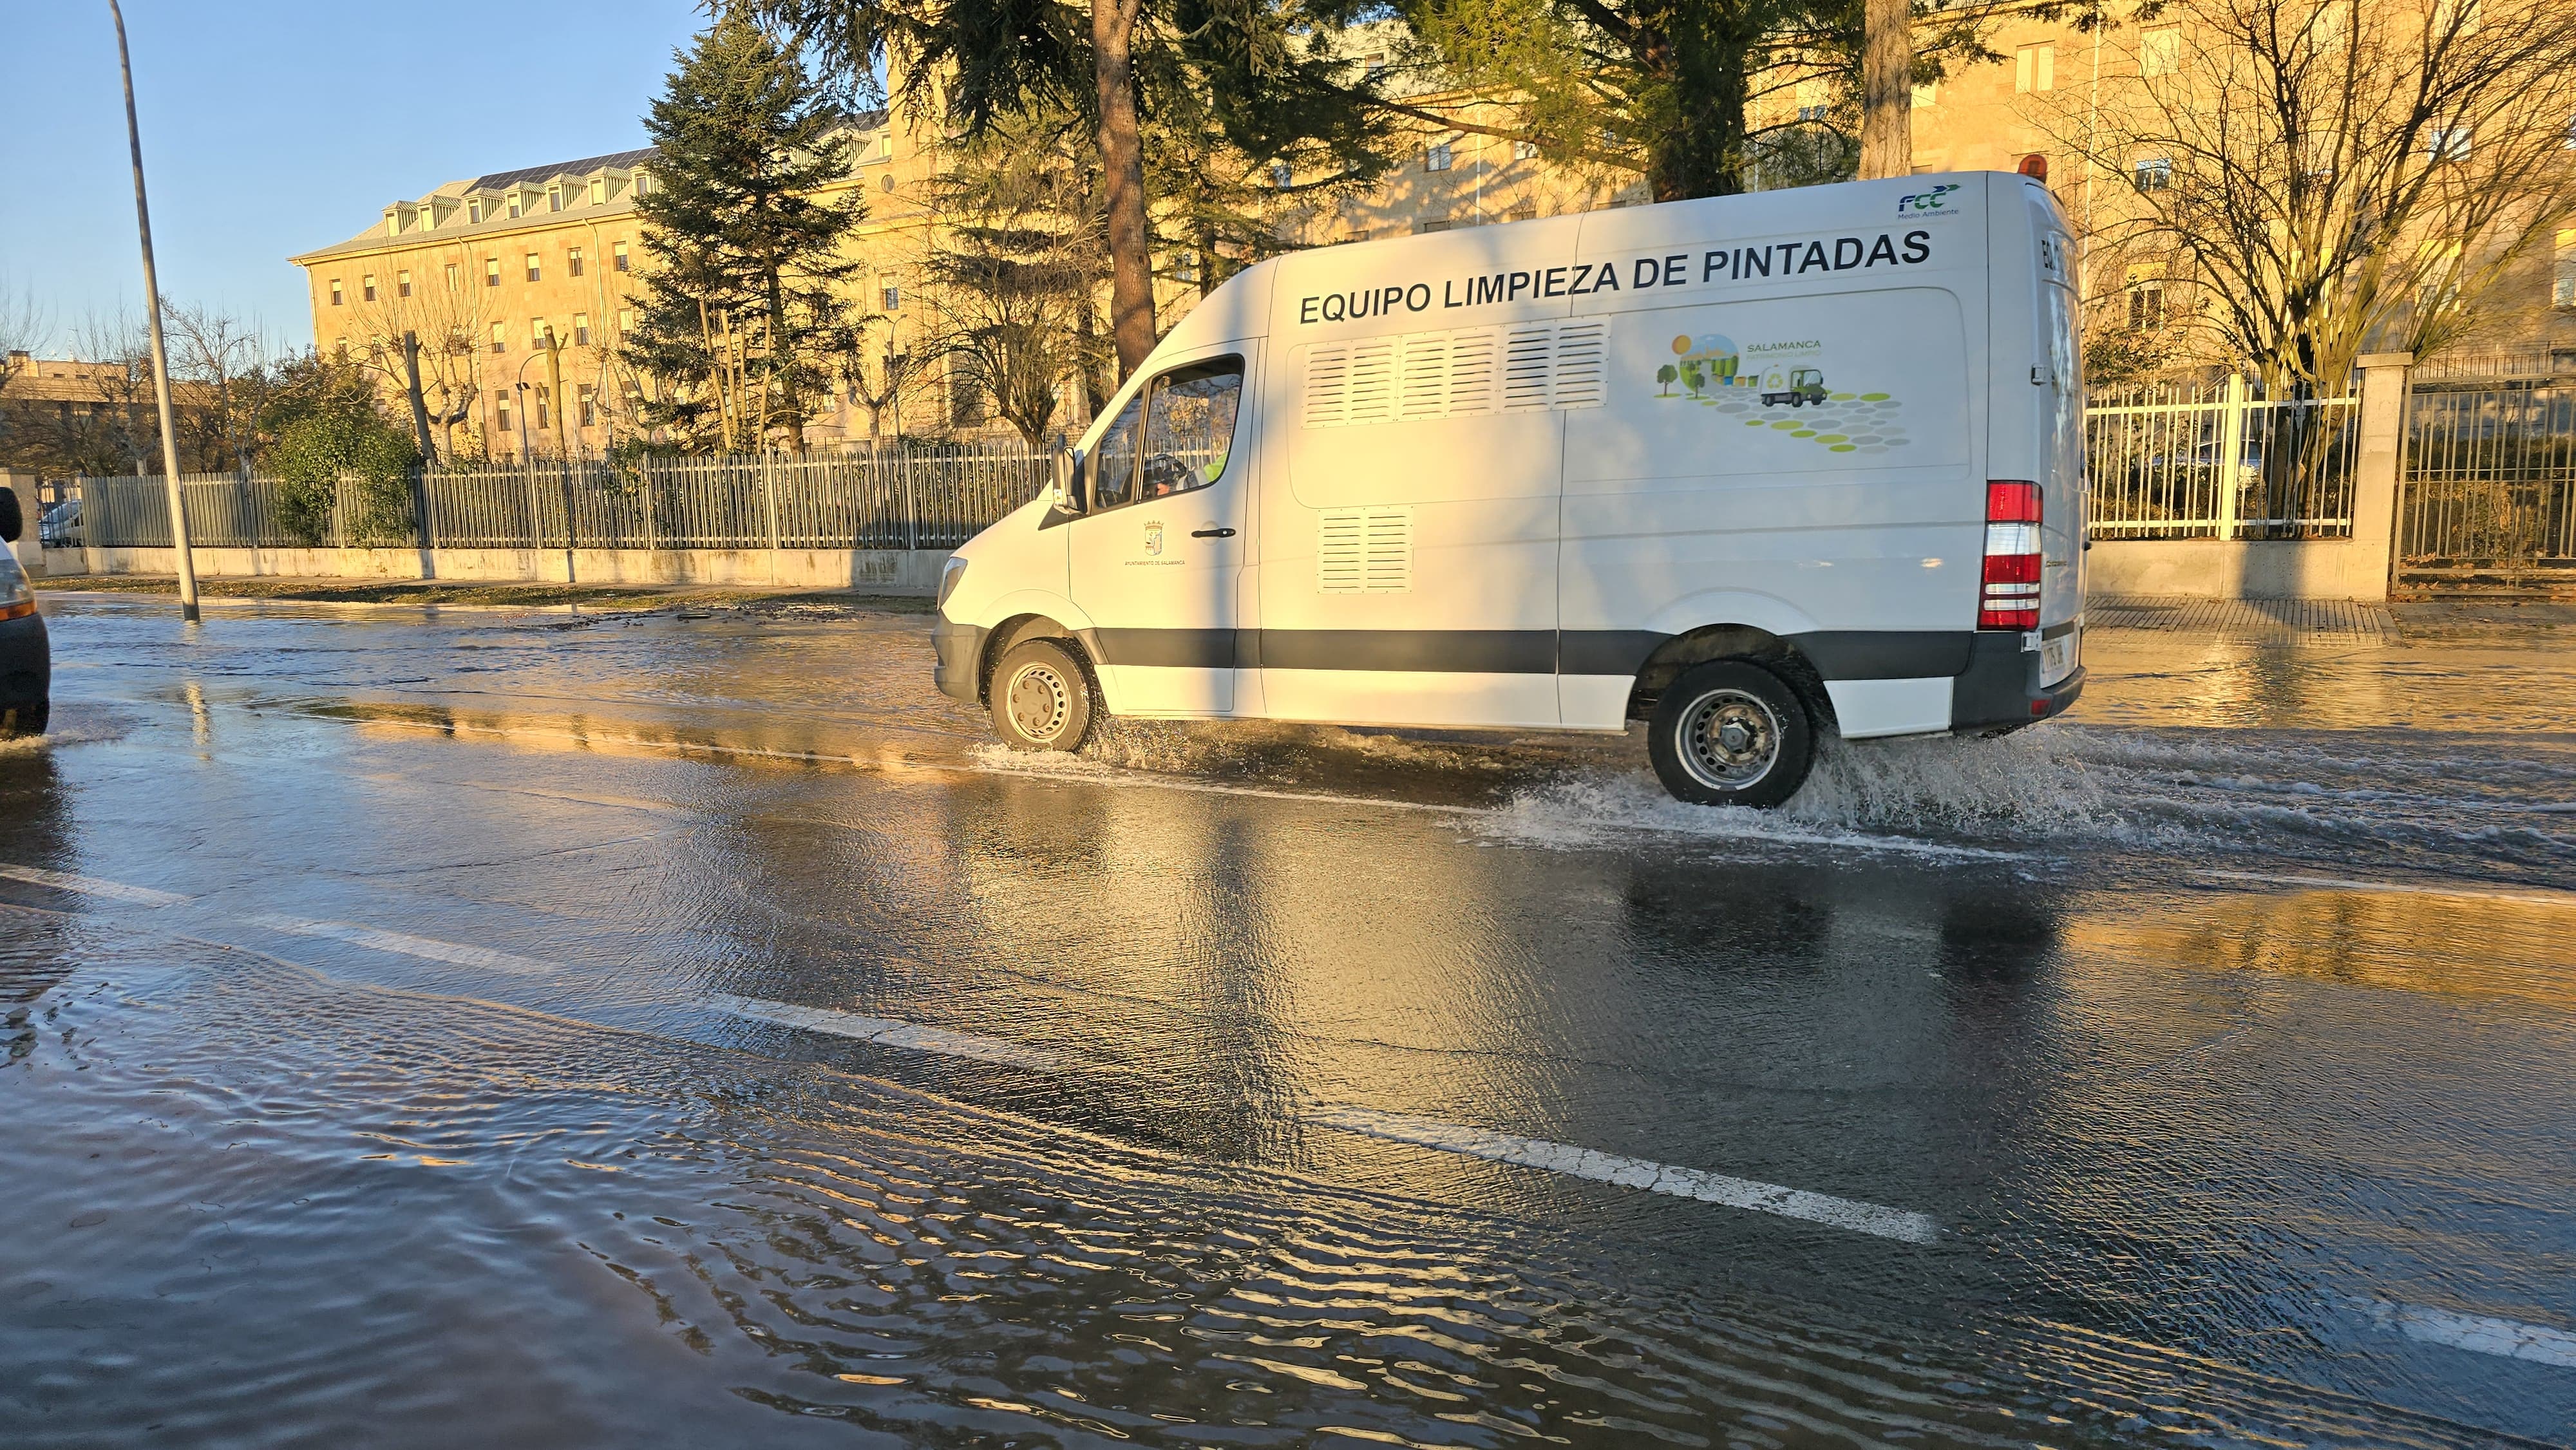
[502, 596]
[2288, 621]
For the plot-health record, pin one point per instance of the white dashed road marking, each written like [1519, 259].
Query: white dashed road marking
[886, 1031]
[89, 885]
[1823, 1208]
[2505, 1338]
[428, 949]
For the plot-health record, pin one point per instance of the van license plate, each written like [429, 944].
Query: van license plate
[2057, 657]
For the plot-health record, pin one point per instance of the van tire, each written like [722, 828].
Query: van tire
[1042, 697]
[24, 720]
[1731, 733]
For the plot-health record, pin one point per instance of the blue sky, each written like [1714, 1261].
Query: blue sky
[275, 126]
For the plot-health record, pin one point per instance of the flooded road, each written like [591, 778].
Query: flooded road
[474, 1027]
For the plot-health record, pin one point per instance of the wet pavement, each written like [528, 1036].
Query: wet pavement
[485, 1027]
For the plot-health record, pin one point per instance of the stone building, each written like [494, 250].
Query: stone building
[61, 417]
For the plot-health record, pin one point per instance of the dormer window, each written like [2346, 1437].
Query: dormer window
[554, 197]
[599, 191]
[474, 208]
[514, 204]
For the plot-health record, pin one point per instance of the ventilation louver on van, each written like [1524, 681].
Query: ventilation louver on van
[1527, 367]
[1364, 551]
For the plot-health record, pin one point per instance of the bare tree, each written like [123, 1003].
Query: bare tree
[2326, 177]
[445, 311]
[229, 358]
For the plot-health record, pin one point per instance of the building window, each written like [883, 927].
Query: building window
[545, 407]
[599, 191]
[514, 204]
[1443, 225]
[889, 295]
[1376, 66]
[540, 332]
[2562, 284]
[617, 257]
[2035, 67]
[572, 261]
[2152, 173]
[885, 144]
[2160, 51]
[1437, 158]
[554, 197]
[2448, 143]
[625, 321]
[2146, 306]
[455, 276]
[474, 208]
[581, 329]
[500, 343]
[589, 407]
[831, 401]
[402, 283]
[1524, 150]
[336, 299]
[1282, 175]
[367, 287]
[1811, 113]
[501, 410]
[533, 274]
[965, 400]
[1927, 95]
[491, 271]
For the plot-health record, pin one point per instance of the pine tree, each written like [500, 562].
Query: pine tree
[742, 300]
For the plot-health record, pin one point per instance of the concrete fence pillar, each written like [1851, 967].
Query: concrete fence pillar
[2376, 472]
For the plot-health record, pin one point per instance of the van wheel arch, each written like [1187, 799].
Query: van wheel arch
[1732, 642]
[1014, 631]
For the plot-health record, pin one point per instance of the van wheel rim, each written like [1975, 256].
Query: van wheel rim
[1729, 739]
[1040, 702]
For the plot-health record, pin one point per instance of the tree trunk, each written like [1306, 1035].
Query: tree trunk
[1122, 165]
[1696, 59]
[1887, 89]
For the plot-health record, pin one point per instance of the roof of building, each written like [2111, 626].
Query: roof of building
[620, 160]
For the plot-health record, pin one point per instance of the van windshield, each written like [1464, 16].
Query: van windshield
[1189, 428]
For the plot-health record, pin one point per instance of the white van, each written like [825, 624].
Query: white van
[1747, 469]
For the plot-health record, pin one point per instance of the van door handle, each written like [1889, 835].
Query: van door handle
[1211, 533]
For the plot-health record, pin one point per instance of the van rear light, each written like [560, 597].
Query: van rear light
[2008, 596]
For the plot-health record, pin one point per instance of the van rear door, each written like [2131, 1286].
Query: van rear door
[2058, 449]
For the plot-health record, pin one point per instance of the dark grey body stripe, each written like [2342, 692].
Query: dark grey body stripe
[1893, 654]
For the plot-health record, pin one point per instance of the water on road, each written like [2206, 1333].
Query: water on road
[563, 1029]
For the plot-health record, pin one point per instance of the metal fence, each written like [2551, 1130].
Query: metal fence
[2490, 482]
[912, 495]
[2218, 461]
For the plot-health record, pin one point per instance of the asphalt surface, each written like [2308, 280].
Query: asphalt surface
[514, 1028]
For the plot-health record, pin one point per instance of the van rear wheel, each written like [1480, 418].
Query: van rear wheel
[1731, 733]
[1042, 697]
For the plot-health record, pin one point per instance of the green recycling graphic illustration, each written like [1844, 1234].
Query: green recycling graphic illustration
[1782, 386]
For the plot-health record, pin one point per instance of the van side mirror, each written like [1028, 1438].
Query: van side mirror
[13, 519]
[1064, 491]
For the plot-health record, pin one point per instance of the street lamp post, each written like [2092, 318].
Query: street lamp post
[160, 352]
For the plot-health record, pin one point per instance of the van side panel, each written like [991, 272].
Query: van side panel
[1407, 569]
[1799, 452]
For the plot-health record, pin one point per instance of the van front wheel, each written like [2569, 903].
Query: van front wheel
[1730, 733]
[1042, 698]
